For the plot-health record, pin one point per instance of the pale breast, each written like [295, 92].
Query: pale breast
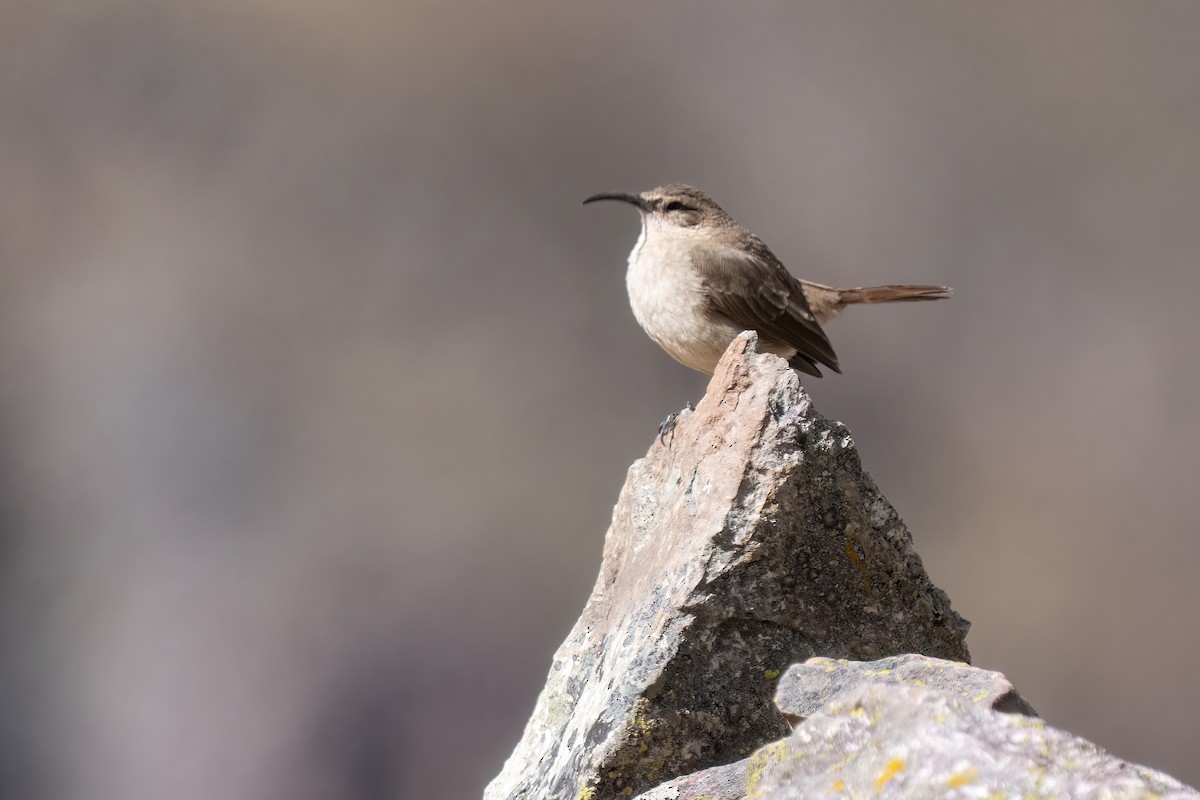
[668, 302]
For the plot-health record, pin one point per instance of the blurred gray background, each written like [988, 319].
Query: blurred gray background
[317, 383]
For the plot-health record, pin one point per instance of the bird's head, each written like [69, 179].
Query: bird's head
[675, 205]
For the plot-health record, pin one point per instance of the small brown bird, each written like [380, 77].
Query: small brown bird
[697, 279]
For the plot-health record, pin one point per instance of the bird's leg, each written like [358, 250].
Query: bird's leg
[667, 426]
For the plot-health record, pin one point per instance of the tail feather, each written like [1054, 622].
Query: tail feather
[891, 294]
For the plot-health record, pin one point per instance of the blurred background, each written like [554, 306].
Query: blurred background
[317, 383]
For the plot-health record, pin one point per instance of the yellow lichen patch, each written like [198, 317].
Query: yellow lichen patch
[979, 696]
[640, 721]
[642, 725]
[893, 768]
[962, 778]
[770, 674]
[917, 682]
[758, 763]
[586, 793]
[838, 786]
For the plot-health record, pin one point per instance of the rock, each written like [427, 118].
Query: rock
[899, 741]
[751, 540]
[806, 687]
[726, 782]
[916, 727]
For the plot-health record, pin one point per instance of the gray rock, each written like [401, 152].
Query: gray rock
[751, 541]
[726, 782]
[897, 741]
[809, 687]
[806, 687]
[916, 727]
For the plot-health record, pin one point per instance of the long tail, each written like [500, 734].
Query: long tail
[891, 294]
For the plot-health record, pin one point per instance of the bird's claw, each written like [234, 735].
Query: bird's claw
[667, 426]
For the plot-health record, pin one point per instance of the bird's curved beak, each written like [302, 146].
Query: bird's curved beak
[624, 197]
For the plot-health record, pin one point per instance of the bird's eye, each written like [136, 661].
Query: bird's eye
[674, 205]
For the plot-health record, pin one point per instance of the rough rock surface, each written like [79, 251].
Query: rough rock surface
[726, 782]
[807, 687]
[752, 540]
[898, 741]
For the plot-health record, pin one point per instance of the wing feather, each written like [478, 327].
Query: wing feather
[749, 286]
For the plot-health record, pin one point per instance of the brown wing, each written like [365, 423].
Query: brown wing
[749, 286]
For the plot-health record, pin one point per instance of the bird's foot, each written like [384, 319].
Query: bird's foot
[667, 426]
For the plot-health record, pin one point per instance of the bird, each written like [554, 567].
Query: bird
[697, 278]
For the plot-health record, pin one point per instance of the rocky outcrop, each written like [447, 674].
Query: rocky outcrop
[750, 540]
[916, 727]
[748, 546]
[818, 688]
[889, 739]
